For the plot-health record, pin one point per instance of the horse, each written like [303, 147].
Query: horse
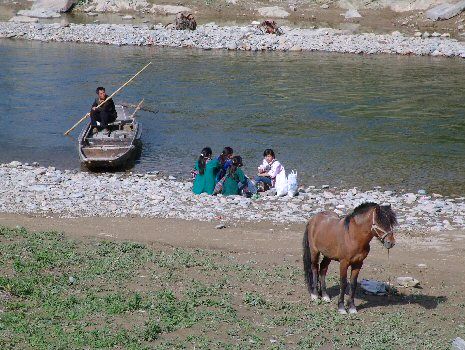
[346, 240]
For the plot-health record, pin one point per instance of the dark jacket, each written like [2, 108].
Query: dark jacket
[107, 112]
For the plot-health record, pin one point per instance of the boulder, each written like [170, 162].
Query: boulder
[352, 13]
[407, 282]
[39, 13]
[410, 5]
[169, 9]
[273, 11]
[53, 5]
[445, 11]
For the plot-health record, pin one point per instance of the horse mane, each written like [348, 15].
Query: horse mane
[384, 213]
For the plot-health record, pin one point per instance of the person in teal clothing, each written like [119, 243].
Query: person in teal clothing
[205, 172]
[235, 178]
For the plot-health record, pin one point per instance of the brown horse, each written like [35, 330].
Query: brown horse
[346, 240]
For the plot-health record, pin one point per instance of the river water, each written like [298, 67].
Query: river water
[341, 120]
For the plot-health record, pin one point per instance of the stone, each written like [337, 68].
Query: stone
[417, 34]
[53, 5]
[169, 9]
[273, 12]
[445, 11]
[436, 34]
[422, 192]
[220, 226]
[295, 48]
[422, 266]
[425, 35]
[127, 17]
[352, 13]
[324, 6]
[171, 177]
[373, 287]
[14, 164]
[39, 13]
[407, 282]
[408, 5]
[458, 344]
[24, 19]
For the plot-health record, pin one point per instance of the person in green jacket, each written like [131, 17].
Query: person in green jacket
[206, 169]
[235, 178]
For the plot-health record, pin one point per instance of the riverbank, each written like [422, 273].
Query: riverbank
[247, 38]
[170, 283]
[36, 190]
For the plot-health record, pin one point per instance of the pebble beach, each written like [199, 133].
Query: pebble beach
[46, 191]
[244, 38]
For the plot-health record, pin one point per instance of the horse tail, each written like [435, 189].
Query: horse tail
[307, 259]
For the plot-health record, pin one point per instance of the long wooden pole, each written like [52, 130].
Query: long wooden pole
[113, 94]
[137, 108]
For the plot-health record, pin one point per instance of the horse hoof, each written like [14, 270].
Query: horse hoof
[342, 311]
[313, 297]
[352, 310]
[326, 298]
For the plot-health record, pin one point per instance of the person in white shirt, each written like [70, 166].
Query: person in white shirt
[268, 170]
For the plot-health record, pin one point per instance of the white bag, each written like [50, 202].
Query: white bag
[281, 183]
[292, 185]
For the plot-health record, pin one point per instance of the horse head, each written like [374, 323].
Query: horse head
[383, 222]
[378, 219]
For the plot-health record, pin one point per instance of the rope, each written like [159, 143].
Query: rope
[389, 275]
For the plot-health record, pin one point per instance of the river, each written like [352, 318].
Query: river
[342, 120]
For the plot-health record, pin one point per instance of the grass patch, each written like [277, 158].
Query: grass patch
[59, 293]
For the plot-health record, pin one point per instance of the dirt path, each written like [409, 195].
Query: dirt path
[442, 252]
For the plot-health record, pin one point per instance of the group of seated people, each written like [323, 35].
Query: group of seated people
[224, 175]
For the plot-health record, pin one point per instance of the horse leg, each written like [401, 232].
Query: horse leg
[323, 270]
[314, 290]
[343, 266]
[353, 285]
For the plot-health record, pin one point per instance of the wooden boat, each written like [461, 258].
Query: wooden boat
[117, 150]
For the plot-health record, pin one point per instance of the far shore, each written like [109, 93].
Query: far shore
[239, 38]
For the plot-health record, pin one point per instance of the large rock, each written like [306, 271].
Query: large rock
[273, 11]
[394, 5]
[53, 5]
[351, 14]
[119, 5]
[410, 5]
[445, 11]
[39, 13]
[169, 9]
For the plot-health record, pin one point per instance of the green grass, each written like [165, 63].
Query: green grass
[58, 293]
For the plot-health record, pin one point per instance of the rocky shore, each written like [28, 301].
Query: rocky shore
[248, 38]
[36, 190]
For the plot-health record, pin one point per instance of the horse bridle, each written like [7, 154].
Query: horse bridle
[376, 228]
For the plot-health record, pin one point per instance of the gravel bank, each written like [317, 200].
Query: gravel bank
[247, 38]
[26, 189]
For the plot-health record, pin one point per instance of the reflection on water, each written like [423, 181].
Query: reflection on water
[342, 120]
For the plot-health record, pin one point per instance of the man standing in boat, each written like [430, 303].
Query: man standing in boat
[105, 114]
